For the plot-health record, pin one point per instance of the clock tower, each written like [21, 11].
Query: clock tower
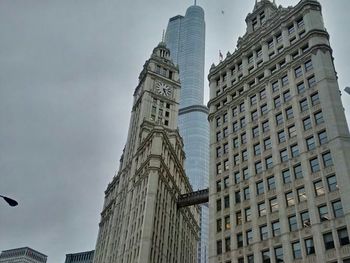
[140, 221]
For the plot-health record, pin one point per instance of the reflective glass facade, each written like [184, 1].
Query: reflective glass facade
[185, 37]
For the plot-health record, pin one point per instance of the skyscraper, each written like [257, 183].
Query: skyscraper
[140, 221]
[81, 257]
[185, 37]
[280, 144]
[22, 255]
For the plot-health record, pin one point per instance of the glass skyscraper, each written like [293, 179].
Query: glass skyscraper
[185, 37]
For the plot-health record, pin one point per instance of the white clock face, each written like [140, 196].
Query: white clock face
[163, 89]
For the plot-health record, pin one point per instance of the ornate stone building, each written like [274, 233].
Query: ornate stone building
[140, 221]
[280, 144]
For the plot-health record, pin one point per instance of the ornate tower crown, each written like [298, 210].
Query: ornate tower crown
[262, 11]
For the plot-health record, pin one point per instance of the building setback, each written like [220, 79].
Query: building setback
[81, 257]
[140, 221]
[22, 255]
[279, 144]
[185, 37]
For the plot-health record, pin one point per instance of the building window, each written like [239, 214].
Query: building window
[264, 109]
[219, 247]
[319, 118]
[298, 72]
[246, 193]
[328, 241]
[275, 86]
[264, 232]
[273, 205]
[239, 240]
[243, 123]
[319, 189]
[244, 155]
[287, 96]
[227, 244]
[293, 224]
[322, 137]
[301, 194]
[226, 182]
[235, 143]
[255, 115]
[262, 94]
[285, 80]
[258, 167]
[284, 155]
[262, 209]
[315, 99]
[327, 159]
[255, 131]
[218, 205]
[296, 250]
[276, 228]
[249, 235]
[218, 168]
[290, 199]
[218, 136]
[332, 183]
[309, 246]
[323, 212]
[243, 138]
[246, 175]
[239, 219]
[304, 106]
[253, 100]
[238, 197]
[305, 219]
[227, 223]
[310, 142]
[260, 188]
[236, 159]
[248, 214]
[308, 65]
[266, 256]
[267, 143]
[314, 165]
[291, 29]
[337, 209]
[218, 186]
[269, 162]
[241, 107]
[281, 136]
[286, 176]
[311, 81]
[277, 102]
[226, 149]
[235, 111]
[279, 119]
[237, 177]
[279, 254]
[292, 131]
[307, 123]
[289, 113]
[218, 225]
[218, 152]
[301, 87]
[294, 150]
[257, 149]
[298, 172]
[225, 132]
[226, 165]
[218, 122]
[227, 201]
[235, 126]
[343, 236]
[271, 184]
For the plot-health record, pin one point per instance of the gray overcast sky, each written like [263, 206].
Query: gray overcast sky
[67, 73]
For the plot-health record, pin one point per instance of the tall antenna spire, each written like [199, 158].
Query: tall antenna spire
[163, 35]
[195, 2]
